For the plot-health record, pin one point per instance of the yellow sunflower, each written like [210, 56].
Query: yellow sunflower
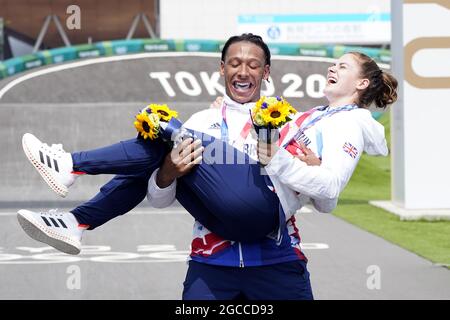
[163, 111]
[292, 110]
[273, 100]
[275, 114]
[259, 120]
[147, 125]
[272, 111]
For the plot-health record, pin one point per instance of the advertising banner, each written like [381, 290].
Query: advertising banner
[361, 28]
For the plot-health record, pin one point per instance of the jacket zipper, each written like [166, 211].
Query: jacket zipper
[241, 258]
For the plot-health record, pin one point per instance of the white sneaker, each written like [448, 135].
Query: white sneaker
[59, 230]
[53, 163]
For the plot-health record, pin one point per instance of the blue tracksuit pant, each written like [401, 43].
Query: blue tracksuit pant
[281, 281]
[231, 200]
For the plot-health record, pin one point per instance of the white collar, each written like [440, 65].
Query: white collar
[241, 107]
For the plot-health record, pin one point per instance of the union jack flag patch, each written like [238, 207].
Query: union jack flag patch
[350, 150]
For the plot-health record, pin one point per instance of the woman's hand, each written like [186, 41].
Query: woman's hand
[308, 156]
[266, 151]
[217, 103]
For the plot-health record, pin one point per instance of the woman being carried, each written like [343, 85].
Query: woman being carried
[228, 199]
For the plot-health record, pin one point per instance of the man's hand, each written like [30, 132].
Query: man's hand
[179, 162]
[266, 152]
[308, 156]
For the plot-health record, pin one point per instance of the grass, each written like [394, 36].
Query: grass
[371, 181]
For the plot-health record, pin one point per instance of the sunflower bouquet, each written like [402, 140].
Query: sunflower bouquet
[154, 121]
[271, 113]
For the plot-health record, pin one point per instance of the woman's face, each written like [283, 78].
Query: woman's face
[344, 79]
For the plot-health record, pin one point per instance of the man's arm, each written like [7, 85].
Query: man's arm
[160, 197]
[161, 189]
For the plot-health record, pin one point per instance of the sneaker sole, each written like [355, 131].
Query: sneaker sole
[45, 235]
[45, 173]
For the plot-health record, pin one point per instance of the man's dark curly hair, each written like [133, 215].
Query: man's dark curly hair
[247, 37]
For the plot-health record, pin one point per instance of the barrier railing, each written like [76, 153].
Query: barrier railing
[118, 47]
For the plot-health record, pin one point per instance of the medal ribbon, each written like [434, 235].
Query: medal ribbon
[224, 128]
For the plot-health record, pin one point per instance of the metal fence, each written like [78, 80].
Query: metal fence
[118, 47]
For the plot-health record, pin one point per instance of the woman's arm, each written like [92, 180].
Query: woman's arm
[310, 158]
[342, 147]
[324, 205]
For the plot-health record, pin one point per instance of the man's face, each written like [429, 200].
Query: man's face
[244, 69]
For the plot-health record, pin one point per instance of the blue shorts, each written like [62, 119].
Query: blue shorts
[282, 281]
